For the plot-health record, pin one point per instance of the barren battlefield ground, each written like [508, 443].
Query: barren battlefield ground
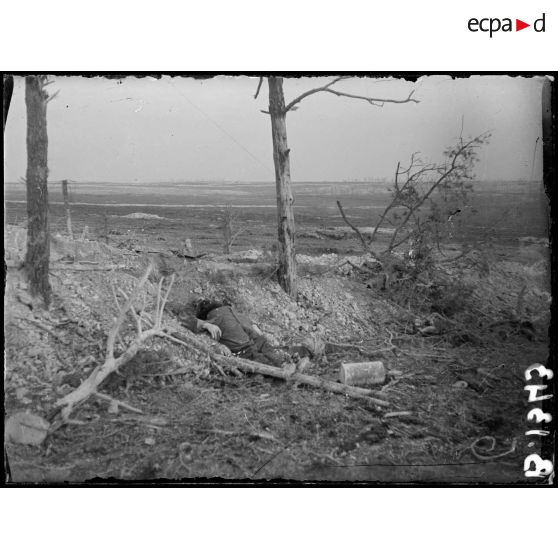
[454, 406]
[504, 211]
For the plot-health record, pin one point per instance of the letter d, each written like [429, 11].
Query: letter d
[535, 25]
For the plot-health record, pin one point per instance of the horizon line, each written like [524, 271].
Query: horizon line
[230, 181]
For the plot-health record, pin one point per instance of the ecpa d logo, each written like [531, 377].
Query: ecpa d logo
[492, 25]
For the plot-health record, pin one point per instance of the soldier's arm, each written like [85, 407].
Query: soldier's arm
[197, 326]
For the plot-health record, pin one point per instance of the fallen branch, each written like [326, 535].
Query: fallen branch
[89, 386]
[86, 268]
[117, 402]
[395, 414]
[274, 372]
[363, 350]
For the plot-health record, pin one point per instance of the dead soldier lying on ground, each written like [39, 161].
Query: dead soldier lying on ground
[236, 334]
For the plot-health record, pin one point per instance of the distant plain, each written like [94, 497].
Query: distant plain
[501, 212]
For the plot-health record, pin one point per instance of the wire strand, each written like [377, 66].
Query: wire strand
[217, 125]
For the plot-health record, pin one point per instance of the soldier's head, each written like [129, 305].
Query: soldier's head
[205, 306]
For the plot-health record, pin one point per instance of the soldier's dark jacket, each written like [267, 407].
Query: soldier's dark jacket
[236, 329]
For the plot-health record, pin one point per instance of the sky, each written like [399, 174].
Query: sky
[173, 129]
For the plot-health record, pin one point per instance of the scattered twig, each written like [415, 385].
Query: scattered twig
[78, 268]
[392, 383]
[397, 414]
[44, 328]
[179, 372]
[117, 402]
[365, 351]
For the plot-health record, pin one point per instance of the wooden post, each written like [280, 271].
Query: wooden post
[105, 227]
[285, 218]
[38, 238]
[67, 208]
[227, 229]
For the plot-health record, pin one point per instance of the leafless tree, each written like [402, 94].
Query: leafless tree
[229, 226]
[38, 238]
[425, 199]
[278, 110]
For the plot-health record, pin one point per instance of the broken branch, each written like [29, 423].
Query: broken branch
[274, 372]
[89, 386]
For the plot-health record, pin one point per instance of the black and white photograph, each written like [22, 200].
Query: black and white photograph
[279, 278]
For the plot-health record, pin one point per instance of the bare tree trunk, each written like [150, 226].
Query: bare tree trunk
[285, 219]
[8, 86]
[67, 208]
[38, 240]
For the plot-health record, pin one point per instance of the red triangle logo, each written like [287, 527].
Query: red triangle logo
[519, 25]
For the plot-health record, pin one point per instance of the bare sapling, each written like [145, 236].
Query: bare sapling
[147, 325]
[230, 228]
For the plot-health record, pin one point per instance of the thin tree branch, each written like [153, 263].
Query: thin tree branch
[122, 314]
[312, 92]
[53, 96]
[327, 89]
[393, 203]
[396, 183]
[259, 87]
[399, 242]
[357, 231]
[159, 321]
[373, 100]
[117, 402]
